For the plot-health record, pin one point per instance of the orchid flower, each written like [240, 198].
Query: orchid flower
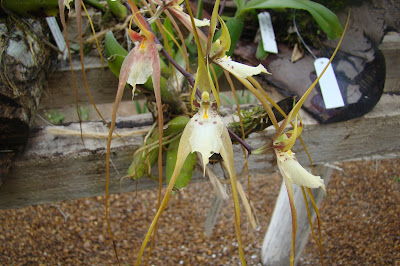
[142, 60]
[291, 170]
[218, 55]
[288, 165]
[204, 133]
[244, 73]
[141, 63]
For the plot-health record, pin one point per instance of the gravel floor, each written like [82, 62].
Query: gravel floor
[360, 224]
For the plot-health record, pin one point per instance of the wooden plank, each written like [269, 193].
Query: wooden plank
[55, 168]
[276, 246]
[60, 91]
[102, 83]
[390, 47]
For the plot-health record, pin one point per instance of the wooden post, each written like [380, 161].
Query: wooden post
[277, 242]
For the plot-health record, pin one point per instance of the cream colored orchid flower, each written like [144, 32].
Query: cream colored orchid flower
[219, 57]
[288, 165]
[291, 170]
[295, 173]
[205, 133]
[207, 129]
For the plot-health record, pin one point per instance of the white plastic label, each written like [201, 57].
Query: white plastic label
[267, 33]
[57, 35]
[329, 87]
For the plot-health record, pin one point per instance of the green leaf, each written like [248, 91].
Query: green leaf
[144, 160]
[115, 53]
[325, 18]
[31, 8]
[112, 46]
[117, 8]
[240, 5]
[168, 27]
[114, 63]
[261, 54]
[95, 4]
[186, 173]
[176, 125]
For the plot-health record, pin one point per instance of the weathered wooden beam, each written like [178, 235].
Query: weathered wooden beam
[55, 168]
[390, 47]
[60, 91]
[103, 84]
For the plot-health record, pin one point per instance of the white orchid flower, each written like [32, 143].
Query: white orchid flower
[218, 56]
[289, 167]
[238, 69]
[291, 170]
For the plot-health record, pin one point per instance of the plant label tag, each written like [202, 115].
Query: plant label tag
[267, 33]
[57, 35]
[329, 87]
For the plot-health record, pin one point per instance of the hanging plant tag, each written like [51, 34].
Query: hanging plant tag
[329, 87]
[267, 33]
[57, 35]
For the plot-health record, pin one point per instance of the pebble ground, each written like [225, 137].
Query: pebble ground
[360, 219]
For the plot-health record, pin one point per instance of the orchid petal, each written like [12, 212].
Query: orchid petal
[201, 23]
[213, 26]
[138, 65]
[238, 69]
[293, 171]
[223, 43]
[207, 128]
